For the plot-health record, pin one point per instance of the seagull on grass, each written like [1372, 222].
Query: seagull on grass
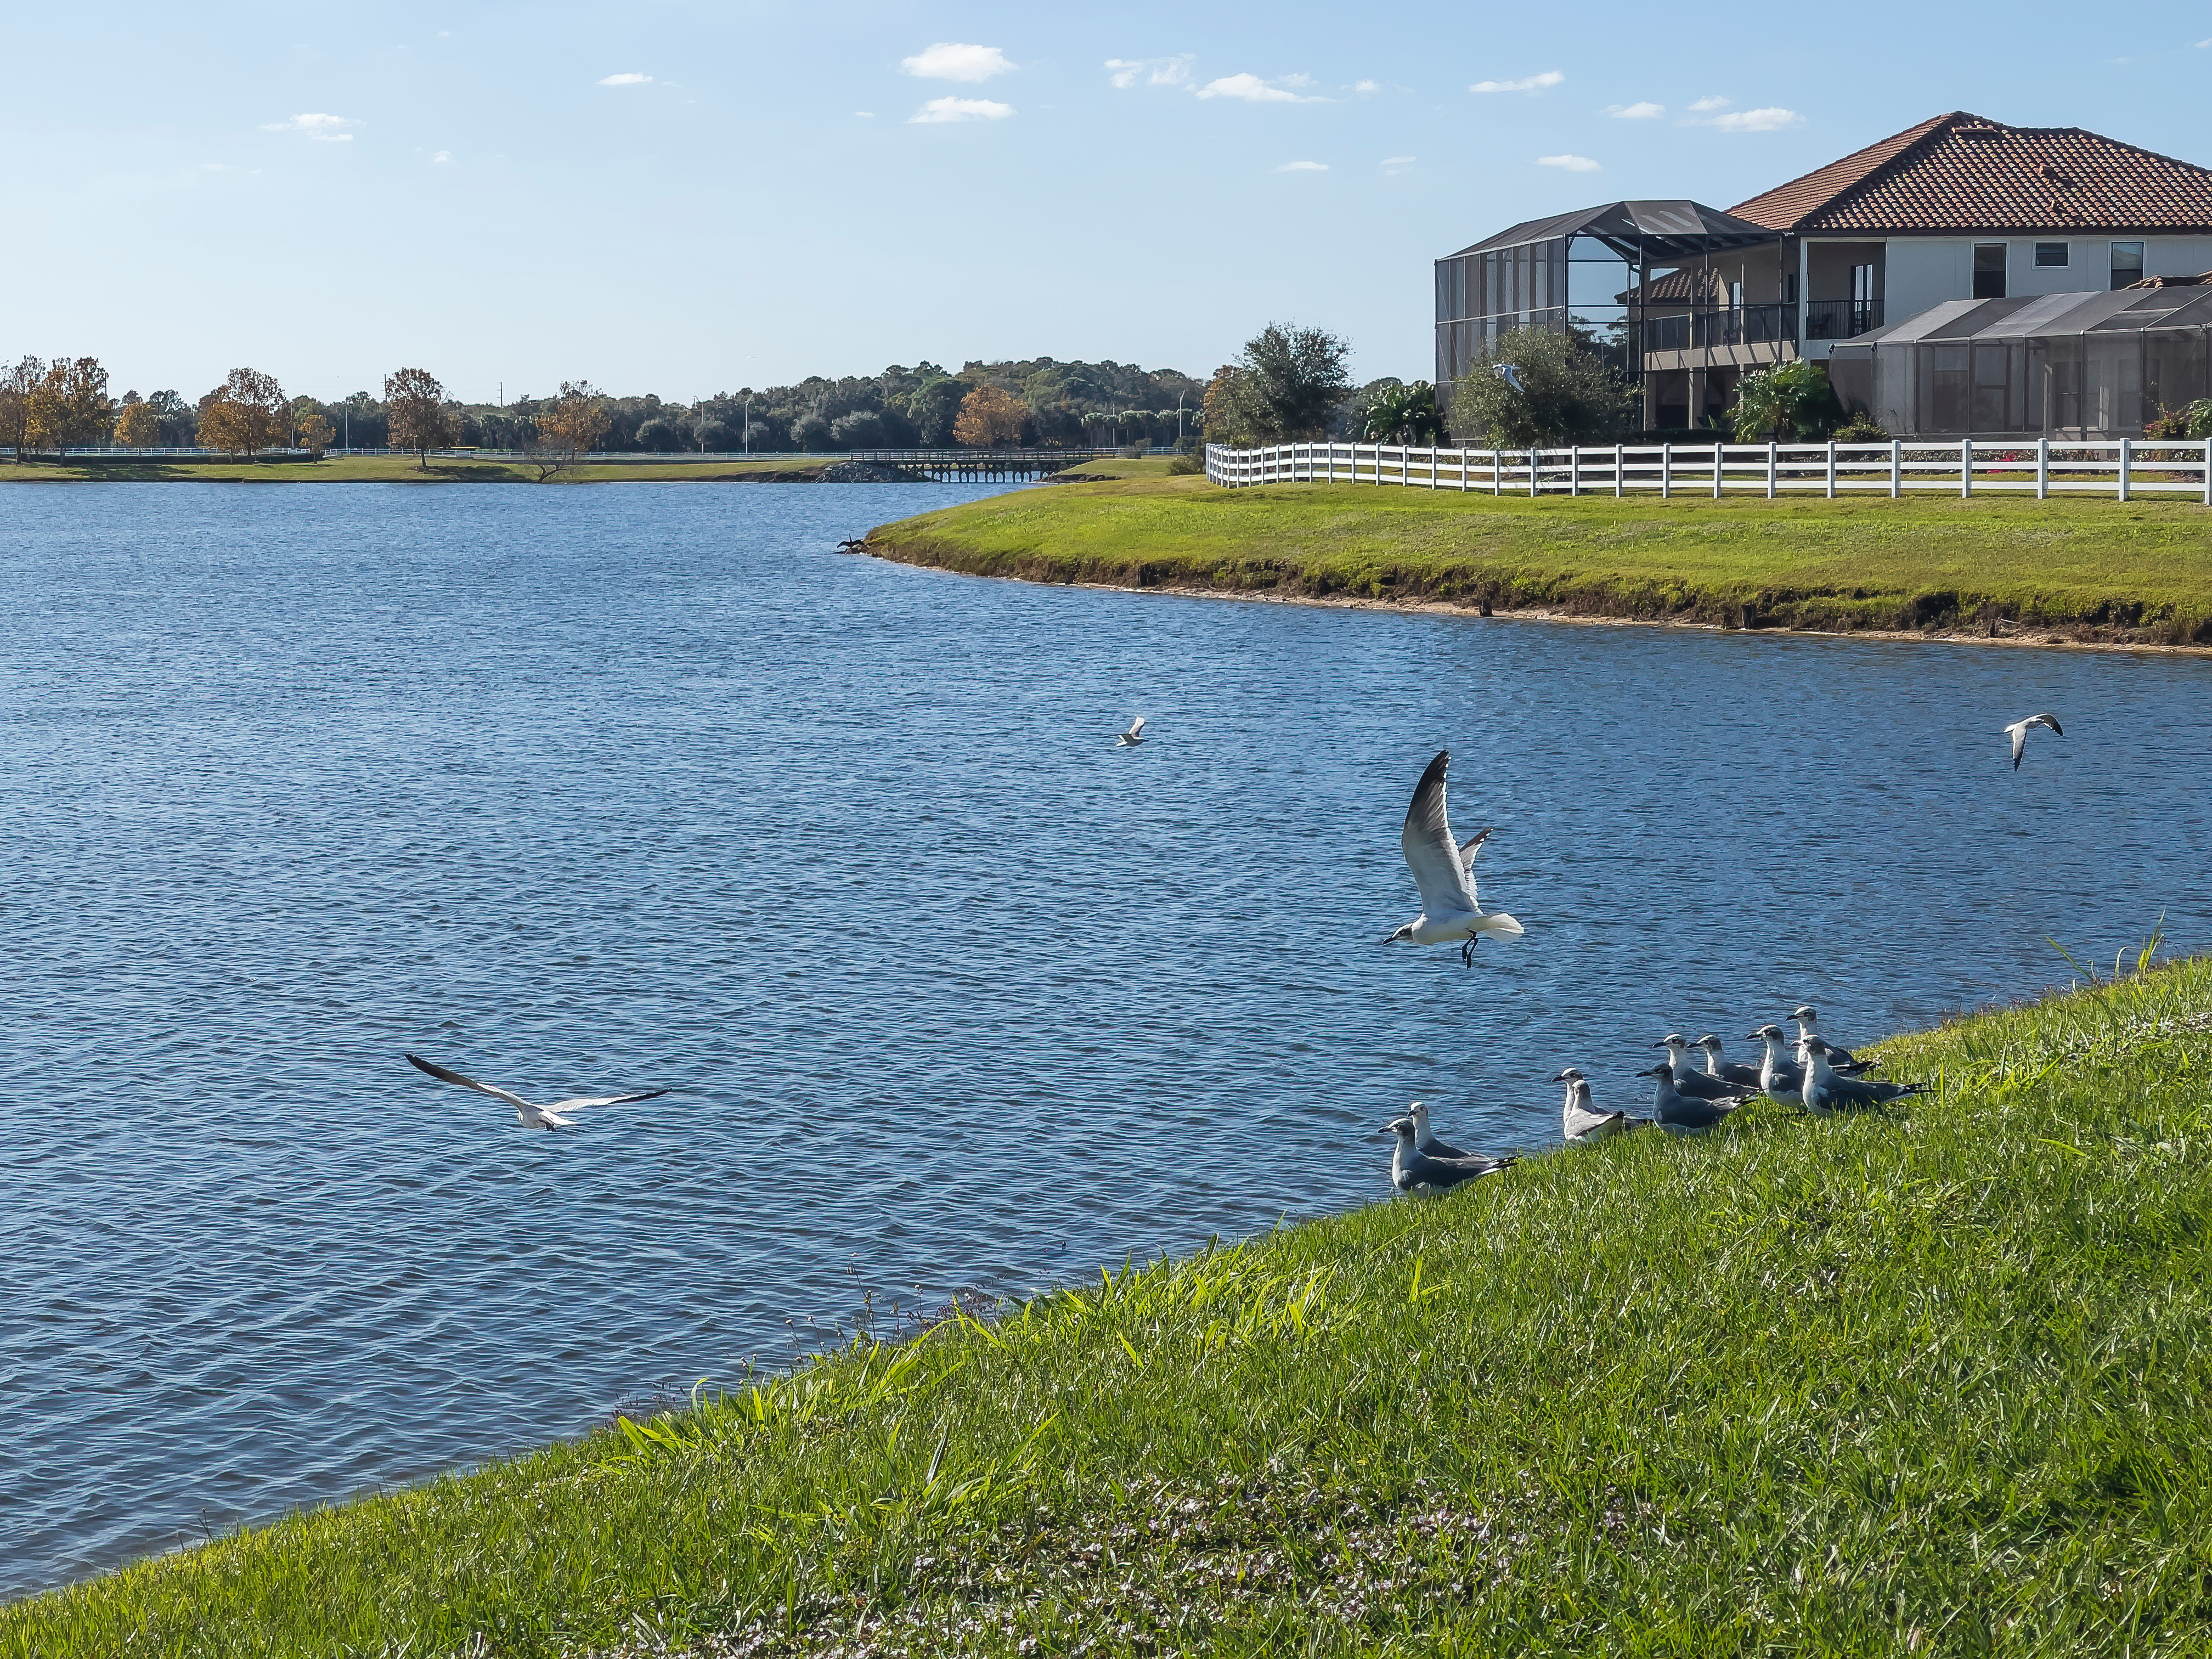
[1581, 1123]
[1740, 1073]
[1689, 1080]
[1425, 1139]
[530, 1115]
[1134, 736]
[2017, 733]
[1808, 1027]
[1412, 1171]
[1824, 1091]
[1443, 871]
[1679, 1114]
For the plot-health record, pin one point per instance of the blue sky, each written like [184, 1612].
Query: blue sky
[684, 195]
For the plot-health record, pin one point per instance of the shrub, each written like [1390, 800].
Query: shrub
[1788, 400]
[1566, 393]
[1861, 430]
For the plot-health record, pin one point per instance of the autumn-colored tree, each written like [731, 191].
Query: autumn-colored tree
[415, 407]
[18, 385]
[988, 416]
[311, 431]
[138, 427]
[1219, 410]
[247, 413]
[69, 404]
[570, 426]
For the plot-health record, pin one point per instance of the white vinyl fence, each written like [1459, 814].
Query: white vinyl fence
[2123, 467]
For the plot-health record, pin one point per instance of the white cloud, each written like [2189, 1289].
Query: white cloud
[960, 109]
[323, 129]
[1571, 164]
[1635, 112]
[1303, 167]
[864, 115]
[1710, 103]
[1252, 89]
[441, 157]
[1758, 120]
[1526, 83]
[627, 78]
[1125, 72]
[1397, 161]
[1367, 86]
[949, 60]
[2202, 44]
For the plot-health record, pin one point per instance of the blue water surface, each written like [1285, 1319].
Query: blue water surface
[645, 784]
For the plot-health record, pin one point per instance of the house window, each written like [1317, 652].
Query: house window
[1735, 296]
[2127, 263]
[2051, 256]
[1862, 284]
[1990, 271]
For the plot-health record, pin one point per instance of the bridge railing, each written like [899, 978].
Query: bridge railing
[2043, 467]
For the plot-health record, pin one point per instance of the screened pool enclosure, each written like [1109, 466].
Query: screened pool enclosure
[2055, 365]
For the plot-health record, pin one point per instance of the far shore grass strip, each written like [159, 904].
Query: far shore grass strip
[2138, 571]
[393, 469]
[1934, 1380]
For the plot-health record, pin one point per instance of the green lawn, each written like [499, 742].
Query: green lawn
[1932, 1381]
[389, 469]
[2140, 569]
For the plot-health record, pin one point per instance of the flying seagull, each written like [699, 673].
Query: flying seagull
[1443, 871]
[1581, 1123]
[1134, 736]
[1824, 1091]
[531, 1116]
[2017, 733]
[1679, 1114]
[1413, 1169]
[1510, 374]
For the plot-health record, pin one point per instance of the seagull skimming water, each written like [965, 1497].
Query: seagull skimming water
[1443, 871]
[2017, 733]
[532, 1116]
[1134, 736]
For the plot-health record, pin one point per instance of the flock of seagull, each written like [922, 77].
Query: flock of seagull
[1686, 1101]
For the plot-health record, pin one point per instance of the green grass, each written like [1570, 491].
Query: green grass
[1936, 1381]
[388, 469]
[2139, 570]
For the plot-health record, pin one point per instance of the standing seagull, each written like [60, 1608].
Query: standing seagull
[532, 1117]
[1824, 1091]
[1808, 1027]
[1412, 1170]
[1689, 1080]
[1679, 1114]
[1741, 1074]
[2017, 733]
[1581, 1123]
[1443, 871]
[1134, 736]
[1425, 1139]
[1781, 1080]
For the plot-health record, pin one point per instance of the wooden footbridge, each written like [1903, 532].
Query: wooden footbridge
[980, 466]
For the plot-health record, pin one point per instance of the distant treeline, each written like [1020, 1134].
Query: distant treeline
[1040, 401]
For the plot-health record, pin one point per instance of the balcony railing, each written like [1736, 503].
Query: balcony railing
[1730, 325]
[1841, 320]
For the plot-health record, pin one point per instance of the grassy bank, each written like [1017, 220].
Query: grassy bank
[401, 469]
[1934, 1381]
[2074, 570]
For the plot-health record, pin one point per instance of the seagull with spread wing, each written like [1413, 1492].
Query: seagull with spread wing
[1134, 736]
[530, 1115]
[2017, 733]
[1443, 871]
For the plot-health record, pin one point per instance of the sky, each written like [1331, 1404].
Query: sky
[692, 196]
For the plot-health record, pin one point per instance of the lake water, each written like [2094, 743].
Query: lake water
[645, 786]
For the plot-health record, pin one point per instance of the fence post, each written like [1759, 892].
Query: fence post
[1497, 475]
[1770, 452]
[1831, 469]
[2043, 469]
[1720, 463]
[1620, 463]
[1532, 453]
[1666, 471]
[2127, 464]
[1575, 470]
[1896, 468]
[1432, 466]
[1966, 466]
[2207, 472]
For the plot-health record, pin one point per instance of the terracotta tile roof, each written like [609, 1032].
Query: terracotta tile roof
[1962, 173]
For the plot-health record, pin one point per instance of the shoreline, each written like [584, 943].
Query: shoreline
[1591, 619]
